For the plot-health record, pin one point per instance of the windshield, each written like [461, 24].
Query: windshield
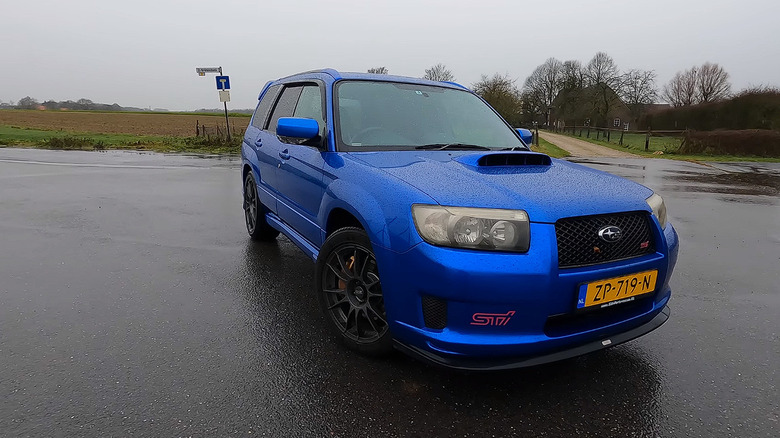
[391, 115]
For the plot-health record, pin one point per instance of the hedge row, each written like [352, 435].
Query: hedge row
[755, 142]
[749, 110]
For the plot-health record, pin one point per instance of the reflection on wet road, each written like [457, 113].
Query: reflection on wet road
[133, 304]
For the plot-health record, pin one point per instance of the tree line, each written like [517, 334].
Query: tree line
[28, 102]
[576, 91]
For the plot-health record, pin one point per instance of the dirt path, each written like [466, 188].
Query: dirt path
[581, 148]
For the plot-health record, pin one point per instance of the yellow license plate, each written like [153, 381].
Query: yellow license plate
[605, 293]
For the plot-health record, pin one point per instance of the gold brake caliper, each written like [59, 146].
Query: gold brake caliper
[350, 264]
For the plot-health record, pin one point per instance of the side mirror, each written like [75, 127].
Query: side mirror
[297, 127]
[526, 135]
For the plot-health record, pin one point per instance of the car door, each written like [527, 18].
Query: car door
[269, 146]
[253, 142]
[300, 172]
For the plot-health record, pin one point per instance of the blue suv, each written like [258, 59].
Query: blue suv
[436, 231]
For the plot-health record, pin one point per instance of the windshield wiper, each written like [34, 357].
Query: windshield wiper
[453, 146]
[522, 148]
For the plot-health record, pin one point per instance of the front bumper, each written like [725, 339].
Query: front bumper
[497, 364]
[541, 298]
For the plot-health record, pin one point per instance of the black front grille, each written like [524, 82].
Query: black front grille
[579, 243]
[434, 312]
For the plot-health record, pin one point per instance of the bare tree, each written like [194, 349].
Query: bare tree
[708, 83]
[572, 103]
[573, 75]
[681, 89]
[438, 72]
[604, 79]
[638, 90]
[378, 70]
[602, 70]
[712, 83]
[639, 87]
[502, 94]
[543, 85]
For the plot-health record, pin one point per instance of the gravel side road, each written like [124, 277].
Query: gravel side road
[581, 148]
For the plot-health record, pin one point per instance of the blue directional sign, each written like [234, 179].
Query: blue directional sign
[223, 82]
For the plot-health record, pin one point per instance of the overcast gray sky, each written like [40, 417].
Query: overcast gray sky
[144, 52]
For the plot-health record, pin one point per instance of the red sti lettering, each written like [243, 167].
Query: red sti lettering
[492, 318]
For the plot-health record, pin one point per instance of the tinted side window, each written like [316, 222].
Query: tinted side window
[284, 107]
[264, 107]
[310, 106]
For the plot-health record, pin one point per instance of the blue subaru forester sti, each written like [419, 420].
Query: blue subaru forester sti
[436, 231]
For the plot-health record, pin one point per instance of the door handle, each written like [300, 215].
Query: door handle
[259, 142]
[284, 155]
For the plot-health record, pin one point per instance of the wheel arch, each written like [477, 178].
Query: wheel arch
[245, 171]
[339, 218]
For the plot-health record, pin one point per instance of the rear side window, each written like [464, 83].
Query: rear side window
[264, 107]
[285, 106]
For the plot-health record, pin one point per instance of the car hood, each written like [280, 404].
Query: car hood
[547, 191]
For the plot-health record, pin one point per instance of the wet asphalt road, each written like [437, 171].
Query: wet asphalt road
[133, 303]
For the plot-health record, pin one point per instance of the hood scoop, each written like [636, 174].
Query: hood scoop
[513, 159]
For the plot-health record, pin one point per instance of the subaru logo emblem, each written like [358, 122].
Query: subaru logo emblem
[610, 233]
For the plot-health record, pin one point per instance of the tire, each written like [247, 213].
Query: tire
[254, 213]
[350, 294]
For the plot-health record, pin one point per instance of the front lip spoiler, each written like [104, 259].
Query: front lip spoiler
[497, 364]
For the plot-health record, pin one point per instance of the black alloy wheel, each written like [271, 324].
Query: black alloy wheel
[254, 213]
[351, 293]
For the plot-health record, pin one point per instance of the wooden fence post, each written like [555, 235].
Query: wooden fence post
[536, 137]
[608, 136]
[621, 137]
[647, 140]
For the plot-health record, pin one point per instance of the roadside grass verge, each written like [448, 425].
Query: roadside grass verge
[17, 136]
[550, 149]
[667, 145]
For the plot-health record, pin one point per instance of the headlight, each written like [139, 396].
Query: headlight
[475, 228]
[656, 203]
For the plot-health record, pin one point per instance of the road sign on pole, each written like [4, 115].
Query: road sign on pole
[223, 82]
[223, 85]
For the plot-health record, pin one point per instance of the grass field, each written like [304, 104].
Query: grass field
[550, 149]
[632, 142]
[89, 130]
[155, 124]
[24, 137]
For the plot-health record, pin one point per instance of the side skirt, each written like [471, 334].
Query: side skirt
[307, 247]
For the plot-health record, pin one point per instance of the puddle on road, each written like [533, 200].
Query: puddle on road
[755, 183]
[747, 183]
[581, 160]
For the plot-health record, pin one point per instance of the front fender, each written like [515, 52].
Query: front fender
[383, 210]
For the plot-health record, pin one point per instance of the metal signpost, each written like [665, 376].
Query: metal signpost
[223, 86]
